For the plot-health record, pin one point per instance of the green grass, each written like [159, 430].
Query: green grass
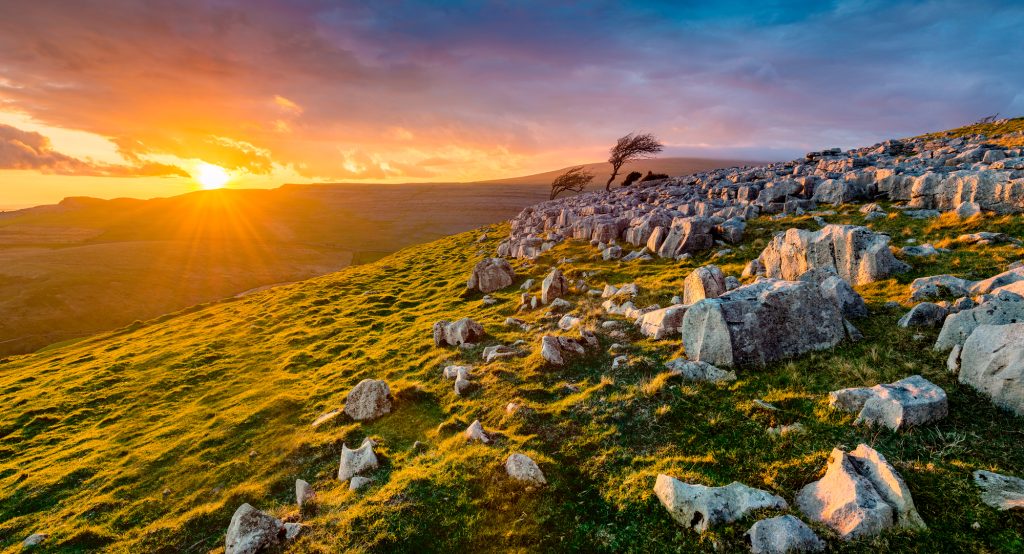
[213, 406]
[997, 132]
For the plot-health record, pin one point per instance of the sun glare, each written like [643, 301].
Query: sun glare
[211, 176]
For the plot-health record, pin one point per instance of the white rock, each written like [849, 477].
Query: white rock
[475, 432]
[490, 275]
[303, 493]
[568, 322]
[703, 282]
[700, 507]
[456, 371]
[906, 403]
[992, 362]
[35, 539]
[1003, 308]
[369, 399]
[781, 535]
[554, 286]
[522, 468]
[354, 462]
[251, 530]
[698, 371]
[663, 323]
[457, 333]
[1002, 492]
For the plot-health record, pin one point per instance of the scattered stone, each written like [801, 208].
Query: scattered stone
[369, 399]
[522, 468]
[857, 254]
[698, 371]
[920, 250]
[303, 493]
[1002, 492]
[354, 462]
[463, 385]
[663, 323]
[488, 300]
[699, 507]
[620, 361]
[527, 284]
[860, 495]
[992, 362]
[767, 406]
[568, 322]
[560, 305]
[760, 323]
[491, 274]
[475, 432]
[463, 331]
[35, 539]
[925, 314]
[324, 418]
[554, 286]
[251, 530]
[781, 535]
[358, 482]
[1003, 308]
[953, 361]
[967, 210]
[703, 282]
[939, 285]
[293, 530]
[556, 350]
[499, 352]
[906, 403]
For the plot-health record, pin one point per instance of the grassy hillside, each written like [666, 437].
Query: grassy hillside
[1008, 133]
[148, 438]
[601, 170]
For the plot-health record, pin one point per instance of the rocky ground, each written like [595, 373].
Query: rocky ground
[826, 354]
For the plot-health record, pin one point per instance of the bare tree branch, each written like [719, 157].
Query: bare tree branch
[631, 147]
[575, 179]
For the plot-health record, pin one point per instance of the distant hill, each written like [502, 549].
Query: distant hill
[601, 170]
[86, 265]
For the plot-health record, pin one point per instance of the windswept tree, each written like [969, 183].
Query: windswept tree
[631, 147]
[575, 179]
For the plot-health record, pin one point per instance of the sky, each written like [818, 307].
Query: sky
[123, 98]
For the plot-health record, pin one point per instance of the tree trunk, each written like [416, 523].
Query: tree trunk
[608, 185]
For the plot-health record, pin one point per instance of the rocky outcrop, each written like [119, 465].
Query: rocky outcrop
[662, 323]
[992, 362]
[491, 274]
[760, 323]
[251, 531]
[554, 286]
[368, 400]
[1002, 492]
[703, 282]
[857, 254]
[906, 403]
[559, 350]
[699, 507]
[457, 333]
[860, 495]
[782, 535]
[1003, 308]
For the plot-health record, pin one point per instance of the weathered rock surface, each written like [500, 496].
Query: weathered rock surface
[457, 333]
[703, 282]
[860, 495]
[554, 286]
[700, 507]
[992, 362]
[475, 432]
[354, 462]
[925, 314]
[1003, 308]
[370, 399]
[303, 493]
[491, 274]
[663, 323]
[781, 535]
[840, 293]
[699, 371]
[357, 482]
[762, 322]
[522, 468]
[251, 530]
[857, 254]
[906, 403]
[35, 539]
[1002, 492]
[559, 350]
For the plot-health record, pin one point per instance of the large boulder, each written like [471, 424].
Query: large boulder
[354, 462]
[937, 286]
[662, 323]
[370, 399]
[491, 274]
[251, 530]
[925, 314]
[554, 286]
[522, 468]
[858, 254]
[688, 235]
[839, 292]
[703, 282]
[860, 495]
[906, 403]
[762, 322]
[457, 333]
[782, 535]
[699, 507]
[1003, 308]
[992, 362]
[1002, 492]
[698, 371]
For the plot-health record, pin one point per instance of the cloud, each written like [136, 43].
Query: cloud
[29, 150]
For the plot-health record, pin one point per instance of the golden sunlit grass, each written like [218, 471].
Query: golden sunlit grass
[148, 438]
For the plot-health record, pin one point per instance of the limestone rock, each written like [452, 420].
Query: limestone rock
[456, 371]
[762, 322]
[1004, 308]
[354, 462]
[475, 432]
[925, 314]
[463, 385]
[303, 493]
[293, 530]
[992, 362]
[369, 399]
[906, 403]
[499, 352]
[251, 530]
[699, 371]
[858, 254]
[662, 323]
[703, 282]
[463, 331]
[554, 286]
[523, 469]
[860, 495]
[939, 285]
[35, 539]
[357, 482]
[491, 274]
[1002, 492]
[700, 507]
[840, 293]
[558, 350]
[781, 535]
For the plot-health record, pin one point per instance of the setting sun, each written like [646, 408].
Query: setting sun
[211, 176]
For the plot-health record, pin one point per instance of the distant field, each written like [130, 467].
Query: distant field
[88, 265]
